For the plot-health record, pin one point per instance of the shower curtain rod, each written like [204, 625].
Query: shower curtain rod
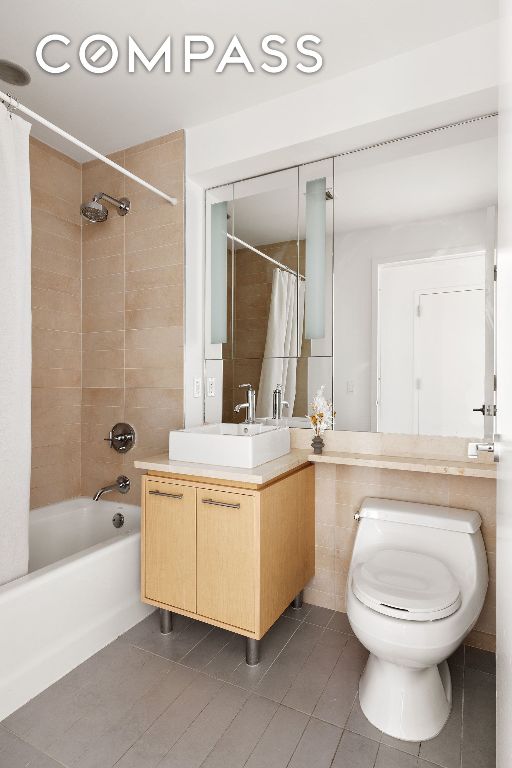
[268, 258]
[13, 105]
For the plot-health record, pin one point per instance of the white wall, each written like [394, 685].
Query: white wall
[355, 253]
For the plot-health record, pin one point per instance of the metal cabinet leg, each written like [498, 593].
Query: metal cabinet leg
[252, 651]
[298, 600]
[165, 622]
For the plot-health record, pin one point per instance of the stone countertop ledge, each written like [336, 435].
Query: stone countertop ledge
[407, 464]
[265, 473]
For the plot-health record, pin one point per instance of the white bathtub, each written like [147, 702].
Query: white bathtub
[81, 592]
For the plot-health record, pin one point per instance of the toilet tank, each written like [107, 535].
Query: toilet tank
[451, 535]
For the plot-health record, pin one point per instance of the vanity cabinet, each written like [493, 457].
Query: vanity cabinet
[170, 544]
[226, 557]
[232, 556]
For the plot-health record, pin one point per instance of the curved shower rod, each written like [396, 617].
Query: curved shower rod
[13, 105]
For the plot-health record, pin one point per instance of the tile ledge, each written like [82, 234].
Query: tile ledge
[407, 464]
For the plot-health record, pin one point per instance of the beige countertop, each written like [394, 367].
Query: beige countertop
[408, 463]
[257, 476]
[265, 473]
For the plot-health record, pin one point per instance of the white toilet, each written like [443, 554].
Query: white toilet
[415, 588]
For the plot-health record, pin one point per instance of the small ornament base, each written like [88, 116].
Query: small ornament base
[318, 445]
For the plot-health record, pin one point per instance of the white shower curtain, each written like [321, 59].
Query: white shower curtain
[15, 344]
[284, 338]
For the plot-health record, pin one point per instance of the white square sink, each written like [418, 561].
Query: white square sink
[230, 445]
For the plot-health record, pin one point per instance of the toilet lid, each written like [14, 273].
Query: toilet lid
[406, 585]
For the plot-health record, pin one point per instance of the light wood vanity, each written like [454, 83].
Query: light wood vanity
[228, 551]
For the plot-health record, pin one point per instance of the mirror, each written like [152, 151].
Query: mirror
[371, 273]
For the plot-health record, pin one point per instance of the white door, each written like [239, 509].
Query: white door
[399, 286]
[449, 362]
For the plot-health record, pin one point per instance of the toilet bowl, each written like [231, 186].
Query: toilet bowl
[416, 585]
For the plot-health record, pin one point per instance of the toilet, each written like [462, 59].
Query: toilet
[416, 585]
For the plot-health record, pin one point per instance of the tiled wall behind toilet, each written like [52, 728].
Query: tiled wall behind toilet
[56, 325]
[133, 312]
[341, 489]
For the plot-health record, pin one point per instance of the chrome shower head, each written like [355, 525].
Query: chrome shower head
[95, 212]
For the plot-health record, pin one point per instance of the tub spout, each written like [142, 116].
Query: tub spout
[122, 485]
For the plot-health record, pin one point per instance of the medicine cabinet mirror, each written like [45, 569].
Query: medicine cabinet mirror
[371, 273]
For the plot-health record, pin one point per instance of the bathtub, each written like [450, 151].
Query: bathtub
[81, 592]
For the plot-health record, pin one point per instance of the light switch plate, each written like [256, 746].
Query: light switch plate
[210, 386]
[197, 387]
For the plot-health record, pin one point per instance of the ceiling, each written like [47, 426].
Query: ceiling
[117, 109]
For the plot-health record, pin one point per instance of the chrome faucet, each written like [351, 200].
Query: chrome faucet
[122, 484]
[250, 404]
[278, 403]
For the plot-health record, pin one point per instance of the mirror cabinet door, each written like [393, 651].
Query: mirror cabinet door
[266, 328]
[411, 244]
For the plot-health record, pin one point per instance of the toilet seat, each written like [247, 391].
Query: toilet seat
[406, 585]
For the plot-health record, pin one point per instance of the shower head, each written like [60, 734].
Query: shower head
[95, 212]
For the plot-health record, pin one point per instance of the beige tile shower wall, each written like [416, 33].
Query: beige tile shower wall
[56, 325]
[133, 285]
[339, 493]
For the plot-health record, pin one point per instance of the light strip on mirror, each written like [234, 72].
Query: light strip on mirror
[219, 273]
[314, 313]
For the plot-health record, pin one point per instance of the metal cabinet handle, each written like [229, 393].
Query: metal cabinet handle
[220, 504]
[169, 495]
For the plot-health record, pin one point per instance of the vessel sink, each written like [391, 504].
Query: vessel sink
[230, 445]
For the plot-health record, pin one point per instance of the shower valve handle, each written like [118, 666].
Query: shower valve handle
[121, 437]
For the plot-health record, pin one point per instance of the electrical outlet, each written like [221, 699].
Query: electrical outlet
[210, 386]
[197, 387]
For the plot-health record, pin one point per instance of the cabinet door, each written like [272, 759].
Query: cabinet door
[170, 544]
[226, 557]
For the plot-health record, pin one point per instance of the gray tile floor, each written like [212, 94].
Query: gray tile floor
[188, 700]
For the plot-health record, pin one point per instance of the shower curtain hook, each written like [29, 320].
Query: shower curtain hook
[10, 107]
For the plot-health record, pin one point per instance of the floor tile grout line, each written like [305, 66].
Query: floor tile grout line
[189, 725]
[222, 687]
[133, 705]
[213, 657]
[37, 749]
[327, 683]
[462, 709]
[198, 643]
[299, 741]
[302, 667]
[159, 716]
[276, 658]
[227, 726]
[278, 707]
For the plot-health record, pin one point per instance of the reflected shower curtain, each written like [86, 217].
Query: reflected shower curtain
[15, 344]
[284, 338]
